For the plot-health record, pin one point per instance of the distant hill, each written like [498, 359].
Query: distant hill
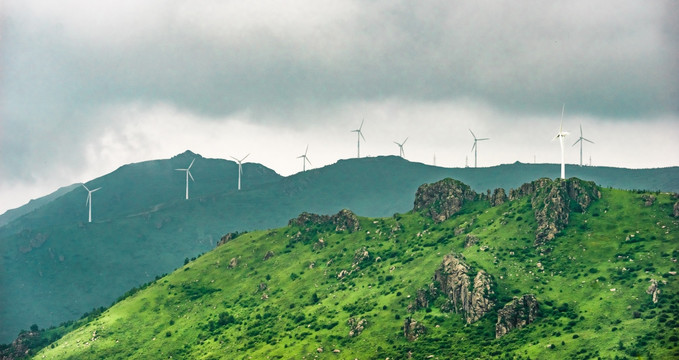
[55, 265]
[560, 270]
[13, 214]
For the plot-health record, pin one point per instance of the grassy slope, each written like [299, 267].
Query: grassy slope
[179, 315]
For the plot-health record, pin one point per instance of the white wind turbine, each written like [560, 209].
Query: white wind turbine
[580, 140]
[240, 168]
[359, 135]
[560, 135]
[400, 147]
[475, 147]
[89, 201]
[305, 159]
[188, 174]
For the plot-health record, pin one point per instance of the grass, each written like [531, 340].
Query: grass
[206, 310]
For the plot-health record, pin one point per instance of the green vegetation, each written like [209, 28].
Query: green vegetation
[591, 286]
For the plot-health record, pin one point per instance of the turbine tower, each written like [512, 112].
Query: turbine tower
[359, 135]
[89, 201]
[240, 168]
[580, 140]
[400, 147]
[474, 147]
[305, 159]
[188, 174]
[560, 135]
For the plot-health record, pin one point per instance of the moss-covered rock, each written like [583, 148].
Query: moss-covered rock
[516, 314]
[442, 199]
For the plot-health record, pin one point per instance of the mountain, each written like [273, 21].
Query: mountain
[56, 266]
[11, 215]
[552, 269]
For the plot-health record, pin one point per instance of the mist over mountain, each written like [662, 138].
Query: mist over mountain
[56, 265]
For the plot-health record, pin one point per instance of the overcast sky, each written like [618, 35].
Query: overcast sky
[88, 86]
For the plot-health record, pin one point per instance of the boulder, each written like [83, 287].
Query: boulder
[233, 263]
[648, 199]
[356, 326]
[675, 212]
[442, 199]
[412, 329]
[516, 314]
[470, 240]
[653, 290]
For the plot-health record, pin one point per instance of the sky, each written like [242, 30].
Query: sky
[88, 86]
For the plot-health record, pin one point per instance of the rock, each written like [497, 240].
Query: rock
[356, 326]
[653, 290]
[442, 199]
[360, 256]
[336, 351]
[648, 199]
[552, 202]
[498, 198]
[482, 295]
[21, 346]
[344, 220]
[233, 263]
[320, 350]
[470, 240]
[676, 209]
[269, 254]
[424, 296]
[412, 329]
[226, 238]
[516, 314]
[475, 299]
[342, 274]
[319, 244]
[262, 286]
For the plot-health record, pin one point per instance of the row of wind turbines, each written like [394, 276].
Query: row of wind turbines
[359, 134]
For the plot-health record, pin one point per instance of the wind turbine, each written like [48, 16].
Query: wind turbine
[400, 147]
[240, 167]
[474, 147]
[560, 135]
[580, 139]
[188, 174]
[89, 201]
[359, 135]
[304, 158]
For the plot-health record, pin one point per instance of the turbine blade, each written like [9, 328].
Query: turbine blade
[563, 108]
[473, 146]
[245, 157]
[470, 130]
[575, 143]
[191, 176]
[360, 133]
[361, 127]
[191, 164]
[306, 151]
[181, 169]
[234, 158]
[89, 195]
[580, 130]
[404, 141]
[85, 187]
[307, 160]
[483, 139]
[590, 141]
[95, 190]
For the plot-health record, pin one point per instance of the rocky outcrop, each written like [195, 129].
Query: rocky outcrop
[360, 256]
[675, 212]
[648, 199]
[498, 198]
[412, 329]
[473, 299]
[226, 238]
[233, 263]
[482, 297]
[345, 220]
[470, 240]
[552, 202]
[269, 254]
[356, 326]
[516, 314]
[442, 199]
[20, 348]
[653, 290]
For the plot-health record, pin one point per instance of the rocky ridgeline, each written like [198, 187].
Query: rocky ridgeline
[20, 348]
[442, 199]
[552, 202]
[345, 220]
[516, 314]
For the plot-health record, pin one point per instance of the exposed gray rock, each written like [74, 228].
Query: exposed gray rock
[499, 197]
[261, 286]
[360, 256]
[412, 329]
[356, 326]
[648, 199]
[470, 240]
[473, 299]
[516, 314]
[233, 263]
[269, 254]
[226, 238]
[653, 290]
[344, 220]
[675, 212]
[442, 199]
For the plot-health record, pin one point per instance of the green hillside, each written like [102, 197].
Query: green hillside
[56, 266]
[593, 258]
